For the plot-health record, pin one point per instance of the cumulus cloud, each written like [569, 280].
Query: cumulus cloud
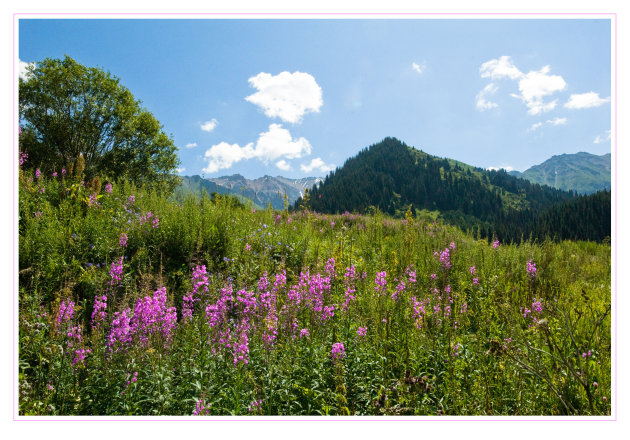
[499, 69]
[22, 65]
[180, 170]
[209, 125]
[283, 165]
[533, 86]
[535, 126]
[604, 138]
[317, 164]
[191, 145]
[287, 96]
[585, 100]
[224, 155]
[536, 85]
[418, 68]
[277, 143]
[482, 102]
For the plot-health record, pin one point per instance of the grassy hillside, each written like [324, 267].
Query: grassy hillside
[131, 303]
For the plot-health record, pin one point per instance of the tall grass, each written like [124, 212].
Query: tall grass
[432, 320]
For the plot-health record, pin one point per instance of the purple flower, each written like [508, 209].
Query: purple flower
[361, 331]
[495, 244]
[531, 270]
[247, 247]
[54, 174]
[23, 157]
[66, 311]
[472, 270]
[304, 333]
[122, 241]
[131, 199]
[381, 282]
[108, 188]
[37, 173]
[338, 351]
[63, 171]
[445, 258]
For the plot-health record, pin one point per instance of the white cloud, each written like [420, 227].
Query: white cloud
[482, 103]
[554, 121]
[317, 164]
[180, 170]
[557, 121]
[274, 144]
[502, 167]
[601, 139]
[283, 165]
[209, 125]
[191, 145]
[418, 68]
[500, 68]
[224, 155]
[536, 85]
[287, 96]
[277, 142]
[22, 68]
[585, 100]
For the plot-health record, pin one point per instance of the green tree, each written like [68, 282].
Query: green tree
[68, 110]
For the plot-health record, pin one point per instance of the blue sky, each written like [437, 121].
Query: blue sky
[297, 97]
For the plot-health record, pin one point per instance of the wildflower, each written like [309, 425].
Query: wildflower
[99, 313]
[38, 214]
[131, 199]
[37, 173]
[201, 409]
[495, 244]
[452, 245]
[531, 270]
[41, 190]
[254, 406]
[23, 157]
[122, 241]
[63, 171]
[456, 349]
[248, 247]
[116, 271]
[338, 351]
[330, 267]
[304, 333]
[433, 276]
[537, 306]
[472, 270]
[92, 200]
[445, 258]
[595, 384]
[108, 188]
[380, 282]
[66, 311]
[361, 331]
[332, 224]
[54, 174]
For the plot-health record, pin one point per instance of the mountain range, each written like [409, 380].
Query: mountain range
[583, 173]
[395, 178]
[261, 191]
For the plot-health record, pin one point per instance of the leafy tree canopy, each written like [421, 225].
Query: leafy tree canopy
[69, 110]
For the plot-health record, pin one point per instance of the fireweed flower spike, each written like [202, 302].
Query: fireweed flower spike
[338, 351]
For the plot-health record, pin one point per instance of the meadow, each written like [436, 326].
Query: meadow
[131, 303]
